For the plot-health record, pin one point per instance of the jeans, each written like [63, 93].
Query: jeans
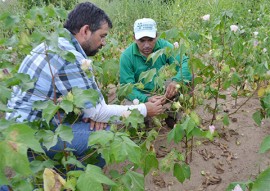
[4, 188]
[81, 132]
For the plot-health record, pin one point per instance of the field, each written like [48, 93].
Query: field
[222, 141]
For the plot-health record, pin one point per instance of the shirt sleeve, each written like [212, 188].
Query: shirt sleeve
[127, 76]
[103, 112]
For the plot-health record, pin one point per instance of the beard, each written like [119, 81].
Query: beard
[89, 51]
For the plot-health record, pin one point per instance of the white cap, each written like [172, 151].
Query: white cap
[145, 27]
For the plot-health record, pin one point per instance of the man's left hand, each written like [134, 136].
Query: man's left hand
[171, 90]
[95, 125]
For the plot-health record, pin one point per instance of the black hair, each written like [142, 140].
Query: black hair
[86, 14]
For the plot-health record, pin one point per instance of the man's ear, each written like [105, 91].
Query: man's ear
[84, 30]
[82, 35]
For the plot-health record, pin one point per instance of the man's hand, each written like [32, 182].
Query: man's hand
[155, 98]
[171, 90]
[154, 109]
[95, 125]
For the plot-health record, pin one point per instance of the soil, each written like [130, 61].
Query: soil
[232, 157]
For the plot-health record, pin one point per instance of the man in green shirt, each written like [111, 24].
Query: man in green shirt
[133, 62]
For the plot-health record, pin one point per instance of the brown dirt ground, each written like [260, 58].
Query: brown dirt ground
[233, 157]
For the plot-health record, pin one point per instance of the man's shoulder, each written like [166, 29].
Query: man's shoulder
[129, 49]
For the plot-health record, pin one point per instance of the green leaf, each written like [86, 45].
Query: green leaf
[169, 34]
[181, 172]
[226, 120]
[5, 95]
[4, 108]
[39, 105]
[23, 134]
[124, 90]
[100, 137]
[74, 161]
[81, 97]
[39, 166]
[5, 123]
[147, 76]
[257, 117]
[49, 139]
[155, 55]
[198, 80]
[49, 112]
[92, 179]
[67, 106]
[265, 144]
[134, 119]
[235, 78]
[133, 181]
[195, 118]
[197, 65]
[48, 108]
[150, 161]
[64, 132]
[23, 185]
[26, 83]
[176, 134]
[14, 161]
[68, 56]
[122, 147]
[262, 181]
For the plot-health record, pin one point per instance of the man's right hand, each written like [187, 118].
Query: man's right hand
[155, 108]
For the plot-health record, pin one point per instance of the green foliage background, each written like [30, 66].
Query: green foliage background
[220, 58]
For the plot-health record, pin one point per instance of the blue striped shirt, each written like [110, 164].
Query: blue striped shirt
[42, 65]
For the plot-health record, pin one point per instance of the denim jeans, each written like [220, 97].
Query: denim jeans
[81, 132]
[4, 188]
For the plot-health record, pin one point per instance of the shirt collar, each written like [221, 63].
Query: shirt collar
[77, 44]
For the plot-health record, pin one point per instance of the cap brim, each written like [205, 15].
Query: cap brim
[151, 34]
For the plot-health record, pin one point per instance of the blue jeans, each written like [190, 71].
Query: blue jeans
[81, 132]
[4, 188]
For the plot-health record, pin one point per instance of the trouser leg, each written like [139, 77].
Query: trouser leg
[81, 132]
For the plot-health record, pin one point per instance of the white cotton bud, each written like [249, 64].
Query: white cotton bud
[136, 102]
[86, 63]
[212, 129]
[255, 33]
[176, 45]
[234, 28]
[206, 17]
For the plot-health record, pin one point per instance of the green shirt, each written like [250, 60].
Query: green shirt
[133, 63]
